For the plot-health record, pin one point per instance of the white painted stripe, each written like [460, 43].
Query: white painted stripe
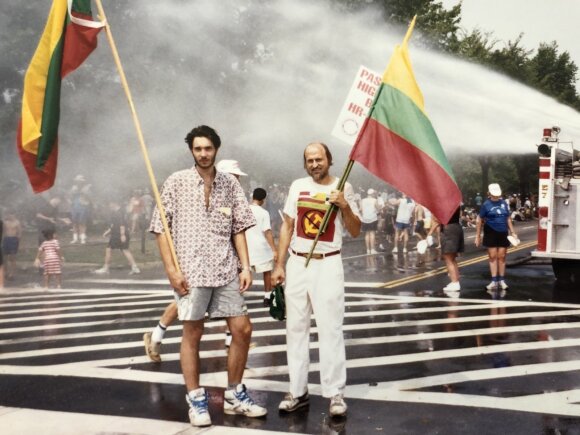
[85, 308]
[36, 297]
[164, 282]
[88, 311]
[280, 332]
[489, 302]
[34, 302]
[559, 403]
[73, 315]
[546, 406]
[83, 304]
[479, 375]
[267, 349]
[210, 324]
[33, 421]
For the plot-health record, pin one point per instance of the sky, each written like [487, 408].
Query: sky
[539, 20]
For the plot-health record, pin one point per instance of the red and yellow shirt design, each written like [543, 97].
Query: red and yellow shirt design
[310, 213]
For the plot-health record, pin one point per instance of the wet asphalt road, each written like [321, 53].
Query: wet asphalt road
[419, 362]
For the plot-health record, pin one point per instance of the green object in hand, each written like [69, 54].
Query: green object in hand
[278, 303]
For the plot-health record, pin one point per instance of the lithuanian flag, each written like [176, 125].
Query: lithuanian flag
[69, 37]
[398, 144]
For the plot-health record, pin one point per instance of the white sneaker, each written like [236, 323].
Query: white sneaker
[102, 271]
[503, 285]
[368, 251]
[134, 270]
[395, 250]
[452, 287]
[83, 239]
[291, 403]
[404, 250]
[491, 286]
[337, 406]
[151, 348]
[198, 408]
[373, 251]
[238, 401]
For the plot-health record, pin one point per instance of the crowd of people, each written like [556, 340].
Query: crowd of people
[75, 217]
[212, 238]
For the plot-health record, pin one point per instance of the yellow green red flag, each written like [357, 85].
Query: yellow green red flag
[69, 37]
[398, 143]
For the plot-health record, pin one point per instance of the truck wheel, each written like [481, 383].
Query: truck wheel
[566, 270]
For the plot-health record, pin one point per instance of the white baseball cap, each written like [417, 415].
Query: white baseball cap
[494, 189]
[229, 166]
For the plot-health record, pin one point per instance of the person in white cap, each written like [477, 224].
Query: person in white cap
[494, 218]
[231, 167]
[370, 208]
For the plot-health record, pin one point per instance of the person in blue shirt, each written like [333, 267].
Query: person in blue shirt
[494, 218]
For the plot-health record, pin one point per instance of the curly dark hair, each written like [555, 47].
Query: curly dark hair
[203, 131]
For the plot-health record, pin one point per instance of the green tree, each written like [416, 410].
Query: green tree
[527, 172]
[438, 26]
[554, 73]
[476, 45]
[513, 60]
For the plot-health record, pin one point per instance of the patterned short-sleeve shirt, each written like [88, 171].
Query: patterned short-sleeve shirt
[203, 236]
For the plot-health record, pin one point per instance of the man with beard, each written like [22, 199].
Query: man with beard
[207, 214]
[320, 286]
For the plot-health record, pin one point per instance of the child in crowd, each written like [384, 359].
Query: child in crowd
[49, 256]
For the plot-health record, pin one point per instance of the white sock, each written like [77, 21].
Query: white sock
[195, 393]
[158, 333]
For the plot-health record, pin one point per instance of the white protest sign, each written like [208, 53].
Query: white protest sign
[357, 105]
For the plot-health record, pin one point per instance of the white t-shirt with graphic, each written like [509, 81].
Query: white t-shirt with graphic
[306, 204]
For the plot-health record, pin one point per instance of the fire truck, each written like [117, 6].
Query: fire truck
[559, 206]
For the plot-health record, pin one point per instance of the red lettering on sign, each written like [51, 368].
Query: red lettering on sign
[356, 109]
[366, 88]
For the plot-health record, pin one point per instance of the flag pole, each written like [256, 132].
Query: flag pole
[331, 209]
[139, 134]
[346, 173]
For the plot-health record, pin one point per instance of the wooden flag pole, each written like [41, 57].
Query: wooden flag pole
[331, 209]
[139, 134]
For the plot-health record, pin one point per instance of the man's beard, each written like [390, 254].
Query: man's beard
[319, 175]
[204, 164]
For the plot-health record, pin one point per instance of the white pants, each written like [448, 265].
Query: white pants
[318, 288]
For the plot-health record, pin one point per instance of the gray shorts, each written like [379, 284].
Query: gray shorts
[452, 240]
[218, 302]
